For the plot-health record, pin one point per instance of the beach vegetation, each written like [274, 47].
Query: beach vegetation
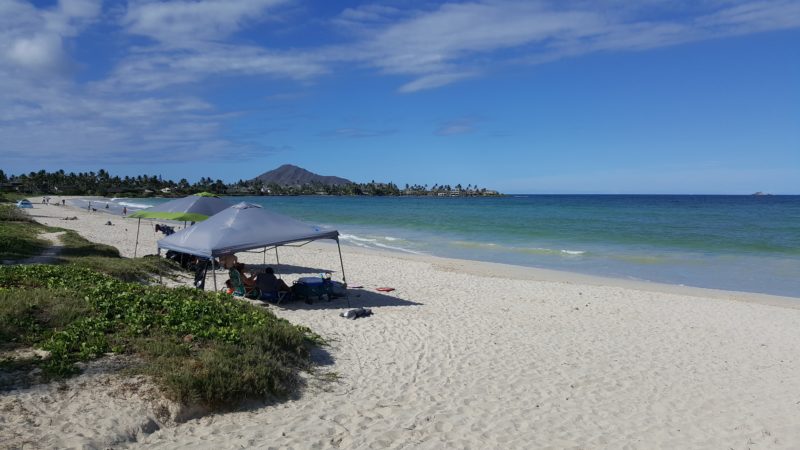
[80, 252]
[198, 346]
[12, 197]
[19, 234]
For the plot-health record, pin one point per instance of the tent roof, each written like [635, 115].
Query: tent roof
[243, 226]
[193, 208]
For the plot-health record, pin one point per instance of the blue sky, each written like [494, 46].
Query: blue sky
[604, 96]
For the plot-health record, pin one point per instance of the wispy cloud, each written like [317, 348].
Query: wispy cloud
[159, 68]
[354, 133]
[463, 125]
[184, 23]
[453, 41]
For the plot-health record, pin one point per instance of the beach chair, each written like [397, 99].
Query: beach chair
[271, 287]
[275, 296]
[240, 289]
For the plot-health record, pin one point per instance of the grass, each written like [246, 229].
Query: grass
[9, 197]
[81, 252]
[18, 234]
[19, 239]
[198, 346]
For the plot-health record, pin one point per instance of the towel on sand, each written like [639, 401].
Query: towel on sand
[354, 314]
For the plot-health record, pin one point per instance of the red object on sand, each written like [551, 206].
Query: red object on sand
[384, 289]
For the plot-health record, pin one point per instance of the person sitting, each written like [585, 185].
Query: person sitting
[242, 285]
[270, 285]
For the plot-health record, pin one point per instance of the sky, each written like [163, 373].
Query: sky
[603, 96]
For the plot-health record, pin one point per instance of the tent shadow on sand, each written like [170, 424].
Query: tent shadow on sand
[359, 298]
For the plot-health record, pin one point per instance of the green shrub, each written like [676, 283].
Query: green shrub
[198, 345]
[10, 213]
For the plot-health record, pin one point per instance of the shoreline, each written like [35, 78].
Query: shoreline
[501, 270]
[526, 273]
[730, 264]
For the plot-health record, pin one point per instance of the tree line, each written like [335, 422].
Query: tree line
[104, 184]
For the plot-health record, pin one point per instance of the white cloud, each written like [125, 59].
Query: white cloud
[436, 80]
[41, 53]
[32, 39]
[463, 125]
[453, 41]
[184, 23]
[58, 121]
[159, 68]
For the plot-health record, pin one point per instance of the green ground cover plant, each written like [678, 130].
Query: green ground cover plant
[199, 346]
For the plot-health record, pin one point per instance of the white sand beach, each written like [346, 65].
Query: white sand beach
[467, 354]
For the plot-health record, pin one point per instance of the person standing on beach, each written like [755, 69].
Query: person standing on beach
[89, 207]
[124, 210]
[63, 202]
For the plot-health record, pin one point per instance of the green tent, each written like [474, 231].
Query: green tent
[194, 208]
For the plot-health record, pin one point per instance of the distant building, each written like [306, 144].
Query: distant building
[10, 187]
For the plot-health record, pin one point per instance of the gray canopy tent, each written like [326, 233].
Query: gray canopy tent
[245, 226]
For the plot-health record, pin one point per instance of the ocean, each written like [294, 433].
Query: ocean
[742, 243]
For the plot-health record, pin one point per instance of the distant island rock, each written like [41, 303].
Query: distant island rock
[289, 175]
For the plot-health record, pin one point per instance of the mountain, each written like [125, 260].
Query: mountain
[289, 175]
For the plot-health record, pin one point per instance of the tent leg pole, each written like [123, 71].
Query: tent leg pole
[214, 273]
[136, 246]
[344, 277]
[265, 256]
[277, 260]
[159, 272]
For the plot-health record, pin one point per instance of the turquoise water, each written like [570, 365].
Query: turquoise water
[744, 243]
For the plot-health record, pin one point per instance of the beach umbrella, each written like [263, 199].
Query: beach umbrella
[194, 208]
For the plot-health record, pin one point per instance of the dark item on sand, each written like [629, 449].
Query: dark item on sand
[167, 230]
[384, 289]
[183, 259]
[354, 314]
[200, 270]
